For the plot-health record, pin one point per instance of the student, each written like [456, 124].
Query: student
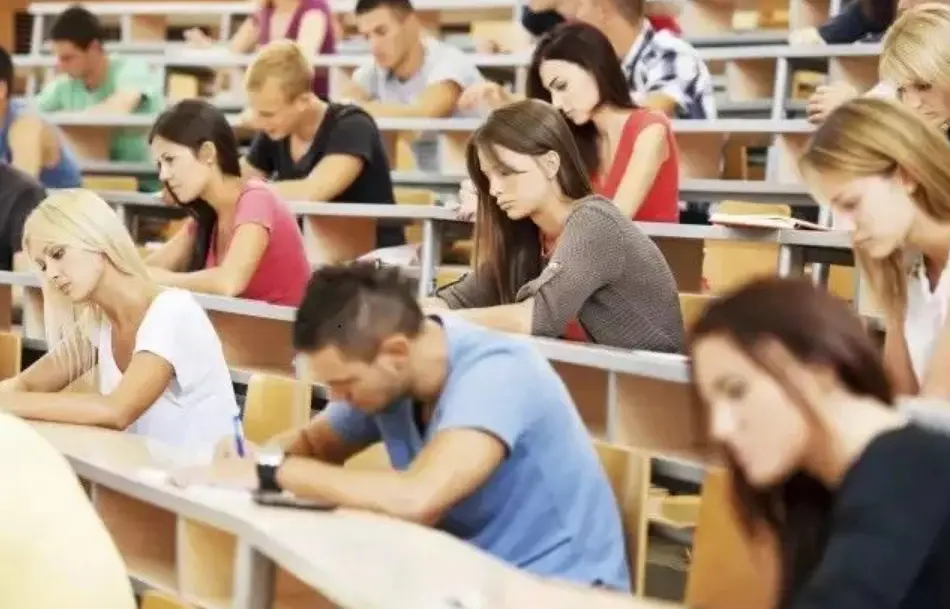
[630, 152]
[915, 59]
[485, 441]
[19, 195]
[55, 550]
[93, 81]
[315, 151]
[243, 240]
[879, 165]
[306, 22]
[411, 75]
[29, 143]
[911, 30]
[664, 72]
[547, 250]
[795, 394]
[159, 365]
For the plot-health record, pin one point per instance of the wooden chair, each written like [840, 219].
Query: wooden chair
[11, 354]
[153, 599]
[628, 471]
[728, 570]
[274, 405]
[730, 264]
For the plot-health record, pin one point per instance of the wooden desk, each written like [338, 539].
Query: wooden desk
[217, 549]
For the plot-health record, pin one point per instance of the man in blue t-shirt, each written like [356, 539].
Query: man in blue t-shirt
[495, 451]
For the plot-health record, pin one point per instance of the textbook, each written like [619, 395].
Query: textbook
[763, 221]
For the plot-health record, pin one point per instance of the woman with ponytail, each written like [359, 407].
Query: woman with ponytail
[241, 239]
[881, 166]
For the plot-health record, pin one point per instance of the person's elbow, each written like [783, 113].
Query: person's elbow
[112, 414]
[416, 504]
[231, 285]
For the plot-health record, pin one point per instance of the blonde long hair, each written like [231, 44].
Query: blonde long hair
[79, 219]
[866, 137]
[916, 48]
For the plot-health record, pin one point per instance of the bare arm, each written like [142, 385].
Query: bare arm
[897, 359]
[65, 362]
[313, 30]
[451, 467]
[245, 38]
[650, 150]
[515, 318]
[936, 382]
[231, 277]
[144, 380]
[123, 101]
[318, 441]
[173, 255]
[330, 178]
[436, 101]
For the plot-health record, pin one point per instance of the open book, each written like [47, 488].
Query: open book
[763, 221]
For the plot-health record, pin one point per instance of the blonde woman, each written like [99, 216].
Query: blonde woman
[161, 371]
[915, 59]
[877, 163]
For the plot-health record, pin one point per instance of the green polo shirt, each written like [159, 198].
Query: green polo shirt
[65, 94]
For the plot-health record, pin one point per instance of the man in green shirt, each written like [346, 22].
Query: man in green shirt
[92, 81]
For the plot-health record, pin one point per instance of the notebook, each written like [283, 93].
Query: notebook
[763, 221]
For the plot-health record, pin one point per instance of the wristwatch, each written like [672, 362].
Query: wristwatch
[269, 459]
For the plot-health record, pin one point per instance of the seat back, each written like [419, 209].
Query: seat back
[274, 405]
[153, 599]
[11, 354]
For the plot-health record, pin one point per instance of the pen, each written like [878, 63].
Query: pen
[238, 435]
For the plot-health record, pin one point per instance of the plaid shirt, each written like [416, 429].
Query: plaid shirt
[660, 62]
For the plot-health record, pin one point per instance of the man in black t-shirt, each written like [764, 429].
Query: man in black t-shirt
[312, 150]
[19, 195]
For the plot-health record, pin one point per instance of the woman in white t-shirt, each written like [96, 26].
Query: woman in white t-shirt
[160, 368]
[888, 172]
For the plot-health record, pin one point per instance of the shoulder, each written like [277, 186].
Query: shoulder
[172, 305]
[912, 455]
[125, 64]
[257, 192]
[349, 114]
[472, 344]
[666, 42]
[646, 117]
[594, 210]
[441, 53]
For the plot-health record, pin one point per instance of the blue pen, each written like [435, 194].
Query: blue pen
[239, 435]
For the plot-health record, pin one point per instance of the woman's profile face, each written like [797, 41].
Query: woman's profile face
[180, 170]
[928, 100]
[73, 271]
[519, 183]
[879, 208]
[750, 414]
[573, 89]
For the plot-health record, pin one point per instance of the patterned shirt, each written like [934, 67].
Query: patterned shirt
[660, 62]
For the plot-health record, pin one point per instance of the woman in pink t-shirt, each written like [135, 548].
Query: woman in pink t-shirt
[241, 240]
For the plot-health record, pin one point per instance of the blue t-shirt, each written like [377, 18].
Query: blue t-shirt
[548, 508]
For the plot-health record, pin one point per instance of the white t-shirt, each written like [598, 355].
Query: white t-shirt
[197, 408]
[926, 317]
[442, 63]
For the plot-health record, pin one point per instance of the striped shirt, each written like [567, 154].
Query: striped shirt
[661, 62]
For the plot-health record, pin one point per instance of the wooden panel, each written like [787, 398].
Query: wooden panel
[658, 415]
[254, 343]
[206, 564]
[588, 388]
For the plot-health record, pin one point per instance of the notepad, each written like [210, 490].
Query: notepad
[763, 221]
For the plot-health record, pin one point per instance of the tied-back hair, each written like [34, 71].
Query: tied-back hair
[916, 48]
[874, 137]
[586, 47]
[78, 219]
[192, 123]
[507, 252]
[817, 329]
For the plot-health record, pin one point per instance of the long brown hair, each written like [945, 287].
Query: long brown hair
[508, 253]
[817, 329]
[867, 137]
[586, 47]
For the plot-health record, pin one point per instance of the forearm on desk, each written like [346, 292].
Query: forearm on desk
[515, 318]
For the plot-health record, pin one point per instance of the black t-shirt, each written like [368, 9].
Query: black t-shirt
[346, 130]
[19, 195]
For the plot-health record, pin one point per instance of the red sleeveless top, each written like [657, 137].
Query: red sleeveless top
[661, 203]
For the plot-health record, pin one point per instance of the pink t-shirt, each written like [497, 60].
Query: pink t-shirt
[283, 271]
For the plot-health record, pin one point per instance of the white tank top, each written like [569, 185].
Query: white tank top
[926, 316]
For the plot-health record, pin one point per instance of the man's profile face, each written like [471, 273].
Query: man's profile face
[72, 60]
[273, 113]
[369, 386]
[388, 33]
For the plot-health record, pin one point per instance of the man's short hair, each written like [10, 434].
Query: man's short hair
[397, 6]
[78, 26]
[283, 60]
[630, 10]
[6, 71]
[354, 307]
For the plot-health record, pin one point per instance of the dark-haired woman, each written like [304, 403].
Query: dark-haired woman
[630, 152]
[859, 498]
[599, 278]
[242, 240]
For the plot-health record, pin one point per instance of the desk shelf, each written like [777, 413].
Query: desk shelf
[206, 564]
[144, 535]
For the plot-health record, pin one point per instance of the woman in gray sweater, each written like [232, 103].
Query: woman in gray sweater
[551, 258]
